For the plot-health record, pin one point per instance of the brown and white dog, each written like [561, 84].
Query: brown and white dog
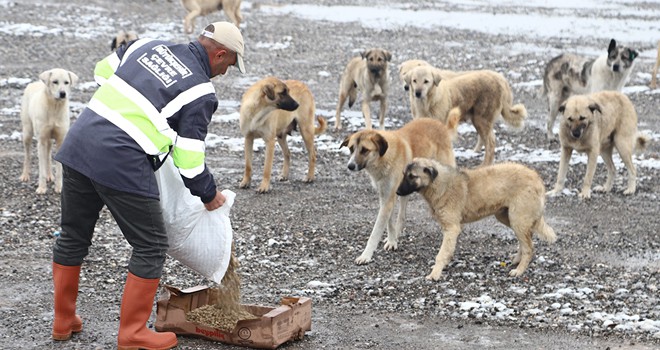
[481, 96]
[198, 8]
[511, 192]
[384, 155]
[370, 75]
[122, 38]
[271, 109]
[596, 124]
[568, 74]
[405, 68]
[45, 115]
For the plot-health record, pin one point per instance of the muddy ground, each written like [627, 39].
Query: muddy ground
[595, 288]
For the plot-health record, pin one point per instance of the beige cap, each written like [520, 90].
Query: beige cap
[230, 36]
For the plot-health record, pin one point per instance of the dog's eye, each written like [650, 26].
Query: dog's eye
[56, 81]
[582, 118]
[570, 119]
[66, 83]
[426, 81]
[364, 151]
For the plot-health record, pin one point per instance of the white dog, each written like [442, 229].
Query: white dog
[45, 115]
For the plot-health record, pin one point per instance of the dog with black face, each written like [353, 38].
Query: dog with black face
[596, 124]
[272, 109]
[568, 74]
[369, 74]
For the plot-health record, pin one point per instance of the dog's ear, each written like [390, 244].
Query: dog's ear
[269, 91]
[407, 78]
[436, 77]
[433, 172]
[364, 54]
[113, 44]
[345, 142]
[612, 46]
[632, 54]
[595, 107]
[73, 78]
[388, 55]
[562, 108]
[381, 143]
[45, 76]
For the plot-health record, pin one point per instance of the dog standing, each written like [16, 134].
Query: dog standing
[198, 8]
[596, 124]
[271, 109]
[122, 38]
[370, 75]
[481, 96]
[45, 115]
[568, 74]
[384, 155]
[511, 192]
[405, 68]
[655, 69]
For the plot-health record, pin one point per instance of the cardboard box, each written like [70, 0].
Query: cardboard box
[276, 325]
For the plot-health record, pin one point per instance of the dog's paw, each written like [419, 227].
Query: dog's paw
[363, 259]
[601, 189]
[585, 194]
[244, 184]
[308, 179]
[553, 193]
[338, 127]
[282, 178]
[40, 190]
[263, 189]
[629, 191]
[516, 273]
[24, 178]
[391, 245]
[433, 277]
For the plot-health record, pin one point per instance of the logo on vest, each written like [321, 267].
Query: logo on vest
[164, 65]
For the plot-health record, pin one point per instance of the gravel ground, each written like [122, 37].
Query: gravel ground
[595, 288]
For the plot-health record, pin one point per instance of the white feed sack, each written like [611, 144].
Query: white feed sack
[198, 238]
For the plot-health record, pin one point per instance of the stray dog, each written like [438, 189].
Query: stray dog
[568, 74]
[405, 68]
[655, 69]
[511, 192]
[595, 124]
[45, 115]
[198, 8]
[272, 109]
[384, 154]
[368, 74]
[481, 96]
[122, 38]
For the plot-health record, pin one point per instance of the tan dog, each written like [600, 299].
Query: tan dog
[482, 96]
[198, 8]
[511, 192]
[384, 154]
[655, 69]
[45, 115]
[271, 109]
[405, 68]
[595, 124]
[122, 38]
[368, 74]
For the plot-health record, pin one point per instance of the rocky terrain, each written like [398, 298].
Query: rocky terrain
[595, 288]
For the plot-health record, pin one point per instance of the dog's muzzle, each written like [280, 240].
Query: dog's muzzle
[62, 94]
[288, 105]
[404, 189]
[577, 132]
[418, 94]
[354, 166]
[616, 68]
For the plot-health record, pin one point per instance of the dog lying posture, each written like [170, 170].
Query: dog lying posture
[481, 96]
[654, 74]
[198, 8]
[511, 192]
[368, 74]
[595, 124]
[568, 74]
[122, 38]
[384, 155]
[45, 115]
[272, 109]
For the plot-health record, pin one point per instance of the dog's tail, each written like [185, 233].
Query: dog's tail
[323, 124]
[515, 116]
[453, 119]
[544, 231]
[641, 142]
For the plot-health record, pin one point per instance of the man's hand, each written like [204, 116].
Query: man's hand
[216, 203]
